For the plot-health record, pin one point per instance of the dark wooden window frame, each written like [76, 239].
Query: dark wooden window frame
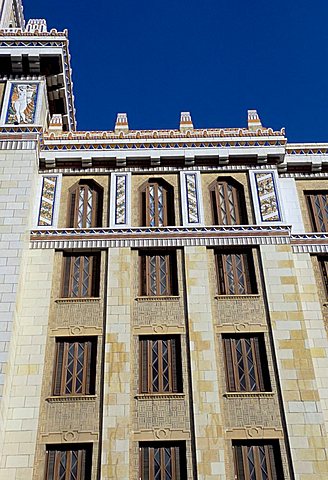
[77, 456]
[239, 203]
[168, 203]
[320, 196]
[323, 264]
[176, 451]
[226, 257]
[147, 260]
[74, 356]
[73, 287]
[154, 376]
[246, 363]
[262, 459]
[97, 204]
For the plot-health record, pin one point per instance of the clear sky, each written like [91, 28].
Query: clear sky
[214, 58]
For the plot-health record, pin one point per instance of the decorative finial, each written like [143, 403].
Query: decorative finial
[36, 25]
[254, 121]
[56, 123]
[121, 124]
[186, 121]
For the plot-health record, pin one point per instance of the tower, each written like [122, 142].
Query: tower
[163, 293]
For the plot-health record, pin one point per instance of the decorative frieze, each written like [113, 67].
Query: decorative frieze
[266, 198]
[192, 208]
[47, 202]
[120, 210]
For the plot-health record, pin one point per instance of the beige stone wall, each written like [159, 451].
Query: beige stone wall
[301, 348]
[207, 406]
[115, 462]
[25, 367]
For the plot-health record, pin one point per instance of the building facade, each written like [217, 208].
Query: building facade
[163, 293]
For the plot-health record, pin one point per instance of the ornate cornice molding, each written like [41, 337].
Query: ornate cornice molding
[141, 237]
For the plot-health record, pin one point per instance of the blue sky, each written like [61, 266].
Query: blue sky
[214, 58]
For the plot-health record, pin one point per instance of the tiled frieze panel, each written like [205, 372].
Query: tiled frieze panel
[191, 198]
[120, 205]
[17, 183]
[22, 392]
[252, 410]
[206, 403]
[46, 212]
[267, 204]
[116, 409]
[301, 349]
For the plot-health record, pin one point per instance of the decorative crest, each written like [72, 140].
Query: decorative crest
[186, 121]
[121, 124]
[254, 121]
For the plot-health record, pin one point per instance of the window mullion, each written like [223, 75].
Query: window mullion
[235, 363]
[225, 274]
[150, 366]
[157, 274]
[245, 462]
[160, 365]
[64, 369]
[245, 362]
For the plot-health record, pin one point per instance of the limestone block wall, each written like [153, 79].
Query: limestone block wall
[115, 460]
[300, 344]
[207, 408]
[22, 392]
[17, 185]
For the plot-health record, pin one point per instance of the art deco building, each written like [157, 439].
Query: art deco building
[163, 293]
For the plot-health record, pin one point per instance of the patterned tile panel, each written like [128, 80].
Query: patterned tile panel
[46, 210]
[267, 196]
[120, 205]
[192, 198]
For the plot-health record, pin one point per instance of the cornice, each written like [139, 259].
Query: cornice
[144, 237]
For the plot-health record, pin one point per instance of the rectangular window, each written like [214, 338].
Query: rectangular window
[68, 462]
[236, 274]
[318, 208]
[158, 273]
[163, 461]
[257, 461]
[160, 364]
[75, 366]
[246, 363]
[323, 262]
[81, 275]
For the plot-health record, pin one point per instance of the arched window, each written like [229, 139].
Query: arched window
[228, 202]
[85, 205]
[157, 203]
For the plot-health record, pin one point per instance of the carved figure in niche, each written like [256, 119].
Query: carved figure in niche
[22, 103]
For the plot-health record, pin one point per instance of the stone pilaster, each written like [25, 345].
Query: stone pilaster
[116, 410]
[206, 404]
